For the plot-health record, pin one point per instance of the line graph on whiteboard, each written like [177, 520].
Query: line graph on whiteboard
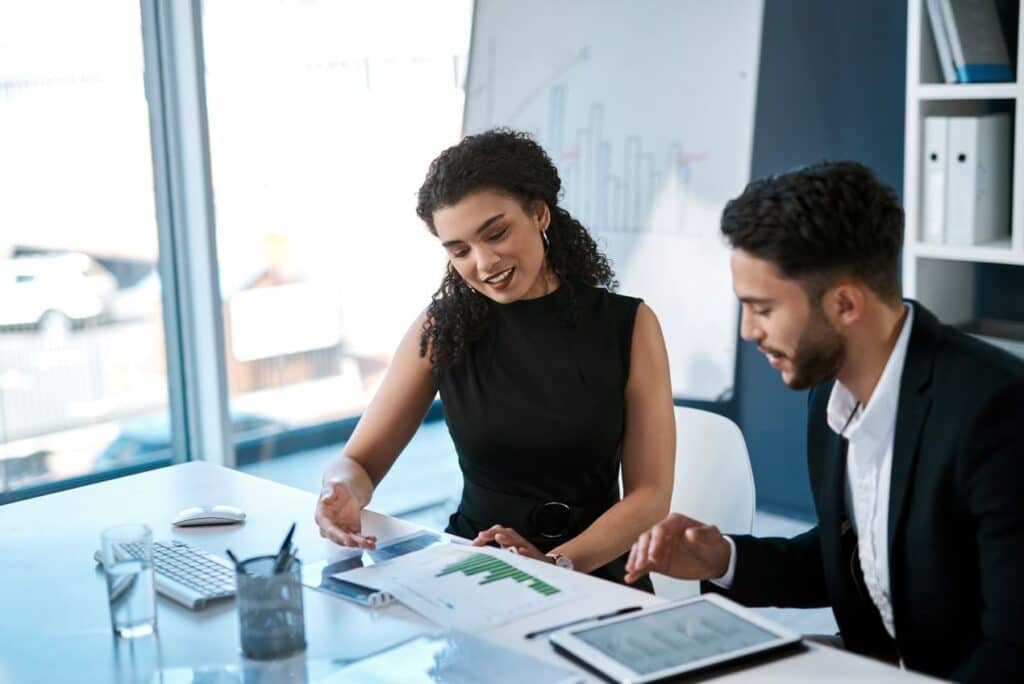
[612, 186]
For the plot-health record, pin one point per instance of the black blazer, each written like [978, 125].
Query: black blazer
[956, 518]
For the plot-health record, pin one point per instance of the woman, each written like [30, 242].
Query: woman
[548, 381]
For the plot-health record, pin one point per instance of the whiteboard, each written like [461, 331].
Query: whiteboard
[647, 110]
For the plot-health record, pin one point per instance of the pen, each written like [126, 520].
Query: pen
[291, 559]
[604, 616]
[283, 551]
[238, 565]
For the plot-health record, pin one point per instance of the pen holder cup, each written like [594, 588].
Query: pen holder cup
[270, 615]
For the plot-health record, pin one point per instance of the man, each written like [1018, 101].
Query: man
[915, 441]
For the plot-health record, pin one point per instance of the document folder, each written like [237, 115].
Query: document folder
[941, 37]
[976, 39]
[978, 179]
[933, 224]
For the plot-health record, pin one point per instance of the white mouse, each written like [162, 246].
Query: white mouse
[209, 515]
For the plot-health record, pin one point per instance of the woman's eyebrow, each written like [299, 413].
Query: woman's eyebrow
[482, 228]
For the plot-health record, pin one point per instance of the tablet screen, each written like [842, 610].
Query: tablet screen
[670, 638]
[324, 575]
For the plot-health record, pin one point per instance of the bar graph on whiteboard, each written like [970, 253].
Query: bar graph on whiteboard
[611, 184]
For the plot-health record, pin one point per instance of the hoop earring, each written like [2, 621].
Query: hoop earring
[546, 240]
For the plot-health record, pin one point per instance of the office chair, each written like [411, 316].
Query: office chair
[713, 482]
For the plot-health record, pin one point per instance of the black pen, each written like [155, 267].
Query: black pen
[605, 616]
[291, 559]
[283, 552]
[238, 565]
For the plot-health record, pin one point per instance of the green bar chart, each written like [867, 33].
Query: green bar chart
[495, 570]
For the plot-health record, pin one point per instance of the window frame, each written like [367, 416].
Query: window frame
[174, 86]
[193, 323]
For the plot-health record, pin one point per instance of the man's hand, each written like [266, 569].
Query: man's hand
[679, 547]
[338, 515]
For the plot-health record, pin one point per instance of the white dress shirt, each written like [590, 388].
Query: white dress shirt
[869, 469]
[869, 431]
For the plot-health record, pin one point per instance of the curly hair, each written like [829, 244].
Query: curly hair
[822, 222]
[512, 163]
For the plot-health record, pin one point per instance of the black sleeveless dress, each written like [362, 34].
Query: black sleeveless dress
[536, 408]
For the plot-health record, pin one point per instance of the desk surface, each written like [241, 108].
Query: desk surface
[54, 624]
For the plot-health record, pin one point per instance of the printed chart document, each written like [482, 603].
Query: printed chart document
[470, 588]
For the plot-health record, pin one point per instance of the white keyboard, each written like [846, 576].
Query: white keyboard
[189, 575]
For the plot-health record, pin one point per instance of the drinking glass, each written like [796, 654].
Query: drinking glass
[128, 567]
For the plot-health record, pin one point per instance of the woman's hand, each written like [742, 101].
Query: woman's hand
[339, 517]
[507, 538]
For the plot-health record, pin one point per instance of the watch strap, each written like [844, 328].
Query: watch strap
[561, 560]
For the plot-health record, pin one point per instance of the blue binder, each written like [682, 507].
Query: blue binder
[979, 51]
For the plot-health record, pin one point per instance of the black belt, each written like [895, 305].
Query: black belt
[545, 521]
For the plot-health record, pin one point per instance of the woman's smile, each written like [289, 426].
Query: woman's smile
[499, 281]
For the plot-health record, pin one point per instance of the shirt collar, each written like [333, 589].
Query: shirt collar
[848, 419]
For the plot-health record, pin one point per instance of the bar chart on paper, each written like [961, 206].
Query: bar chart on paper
[469, 588]
[497, 570]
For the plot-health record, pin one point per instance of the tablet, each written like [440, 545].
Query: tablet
[668, 641]
[327, 575]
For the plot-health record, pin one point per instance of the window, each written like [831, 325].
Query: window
[83, 383]
[323, 118]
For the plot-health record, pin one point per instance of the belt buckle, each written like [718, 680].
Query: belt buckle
[547, 511]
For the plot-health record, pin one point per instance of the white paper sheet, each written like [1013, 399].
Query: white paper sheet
[470, 588]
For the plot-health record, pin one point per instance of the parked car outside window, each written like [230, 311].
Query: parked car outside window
[149, 438]
[53, 292]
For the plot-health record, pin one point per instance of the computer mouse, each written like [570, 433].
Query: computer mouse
[209, 515]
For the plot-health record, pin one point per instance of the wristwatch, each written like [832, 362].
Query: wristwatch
[560, 560]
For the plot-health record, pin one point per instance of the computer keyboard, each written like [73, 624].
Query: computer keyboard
[189, 575]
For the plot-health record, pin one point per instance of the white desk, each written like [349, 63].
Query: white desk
[55, 627]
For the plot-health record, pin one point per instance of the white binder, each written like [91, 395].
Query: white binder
[978, 179]
[933, 223]
[941, 36]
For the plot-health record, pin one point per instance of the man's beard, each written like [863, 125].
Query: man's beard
[819, 354]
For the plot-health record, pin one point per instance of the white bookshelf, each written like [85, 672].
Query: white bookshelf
[942, 276]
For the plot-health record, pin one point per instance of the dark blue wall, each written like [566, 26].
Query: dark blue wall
[831, 86]
[999, 291]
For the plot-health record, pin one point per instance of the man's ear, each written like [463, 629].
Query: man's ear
[843, 303]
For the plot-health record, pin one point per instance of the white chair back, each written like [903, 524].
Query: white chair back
[713, 482]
